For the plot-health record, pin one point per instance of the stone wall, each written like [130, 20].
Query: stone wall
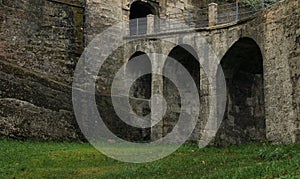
[42, 36]
[41, 41]
[34, 107]
[281, 51]
[275, 103]
[40, 44]
[100, 15]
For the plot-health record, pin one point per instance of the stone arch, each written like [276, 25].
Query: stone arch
[142, 86]
[139, 11]
[140, 91]
[188, 58]
[244, 118]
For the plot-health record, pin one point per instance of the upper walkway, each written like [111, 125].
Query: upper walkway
[212, 16]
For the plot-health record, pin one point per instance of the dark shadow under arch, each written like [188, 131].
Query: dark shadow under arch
[140, 91]
[142, 86]
[140, 9]
[244, 119]
[187, 57]
[138, 17]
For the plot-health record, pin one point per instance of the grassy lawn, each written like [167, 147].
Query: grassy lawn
[74, 160]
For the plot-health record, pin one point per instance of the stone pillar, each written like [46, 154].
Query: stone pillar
[150, 24]
[212, 14]
[157, 104]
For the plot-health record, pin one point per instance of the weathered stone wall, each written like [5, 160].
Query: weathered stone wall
[34, 107]
[100, 15]
[40, 44]
[42, 36]
[41, 41]
[278, 106]
[281, 52]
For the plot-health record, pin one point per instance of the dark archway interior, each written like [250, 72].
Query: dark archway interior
[140, 9]
[142, 86]
[187, 57]
[138, 21]
[140, 91]
[244, 118]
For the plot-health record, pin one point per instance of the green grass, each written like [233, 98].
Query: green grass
[28, 159]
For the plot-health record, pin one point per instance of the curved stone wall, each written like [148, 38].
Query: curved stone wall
[41, 42]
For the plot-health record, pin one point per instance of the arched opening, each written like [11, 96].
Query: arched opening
[142, 86]
[139, 94]
[138, 17]
[187, 57]
[140, 91]
[244, 118]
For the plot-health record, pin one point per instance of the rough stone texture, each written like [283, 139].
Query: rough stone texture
[278, 129]
[41, 41]
[20, 119]
[244, 118]
[282, 56]
[42, 36]
[100, 15]
[35, 107]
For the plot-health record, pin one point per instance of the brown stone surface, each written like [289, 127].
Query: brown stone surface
[41, 41]
[42, 36]
[35, 107]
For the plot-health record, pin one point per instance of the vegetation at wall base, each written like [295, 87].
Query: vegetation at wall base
[30, 159]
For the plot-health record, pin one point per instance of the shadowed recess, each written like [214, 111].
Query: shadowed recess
[244, 118]
[187, 57]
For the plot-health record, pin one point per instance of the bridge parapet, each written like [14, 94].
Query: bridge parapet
[193, 19]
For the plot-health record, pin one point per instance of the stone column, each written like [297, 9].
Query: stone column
[212, 14]
[150, 24]
[157, 103]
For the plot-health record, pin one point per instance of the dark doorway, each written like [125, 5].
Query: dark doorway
[138, 17]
